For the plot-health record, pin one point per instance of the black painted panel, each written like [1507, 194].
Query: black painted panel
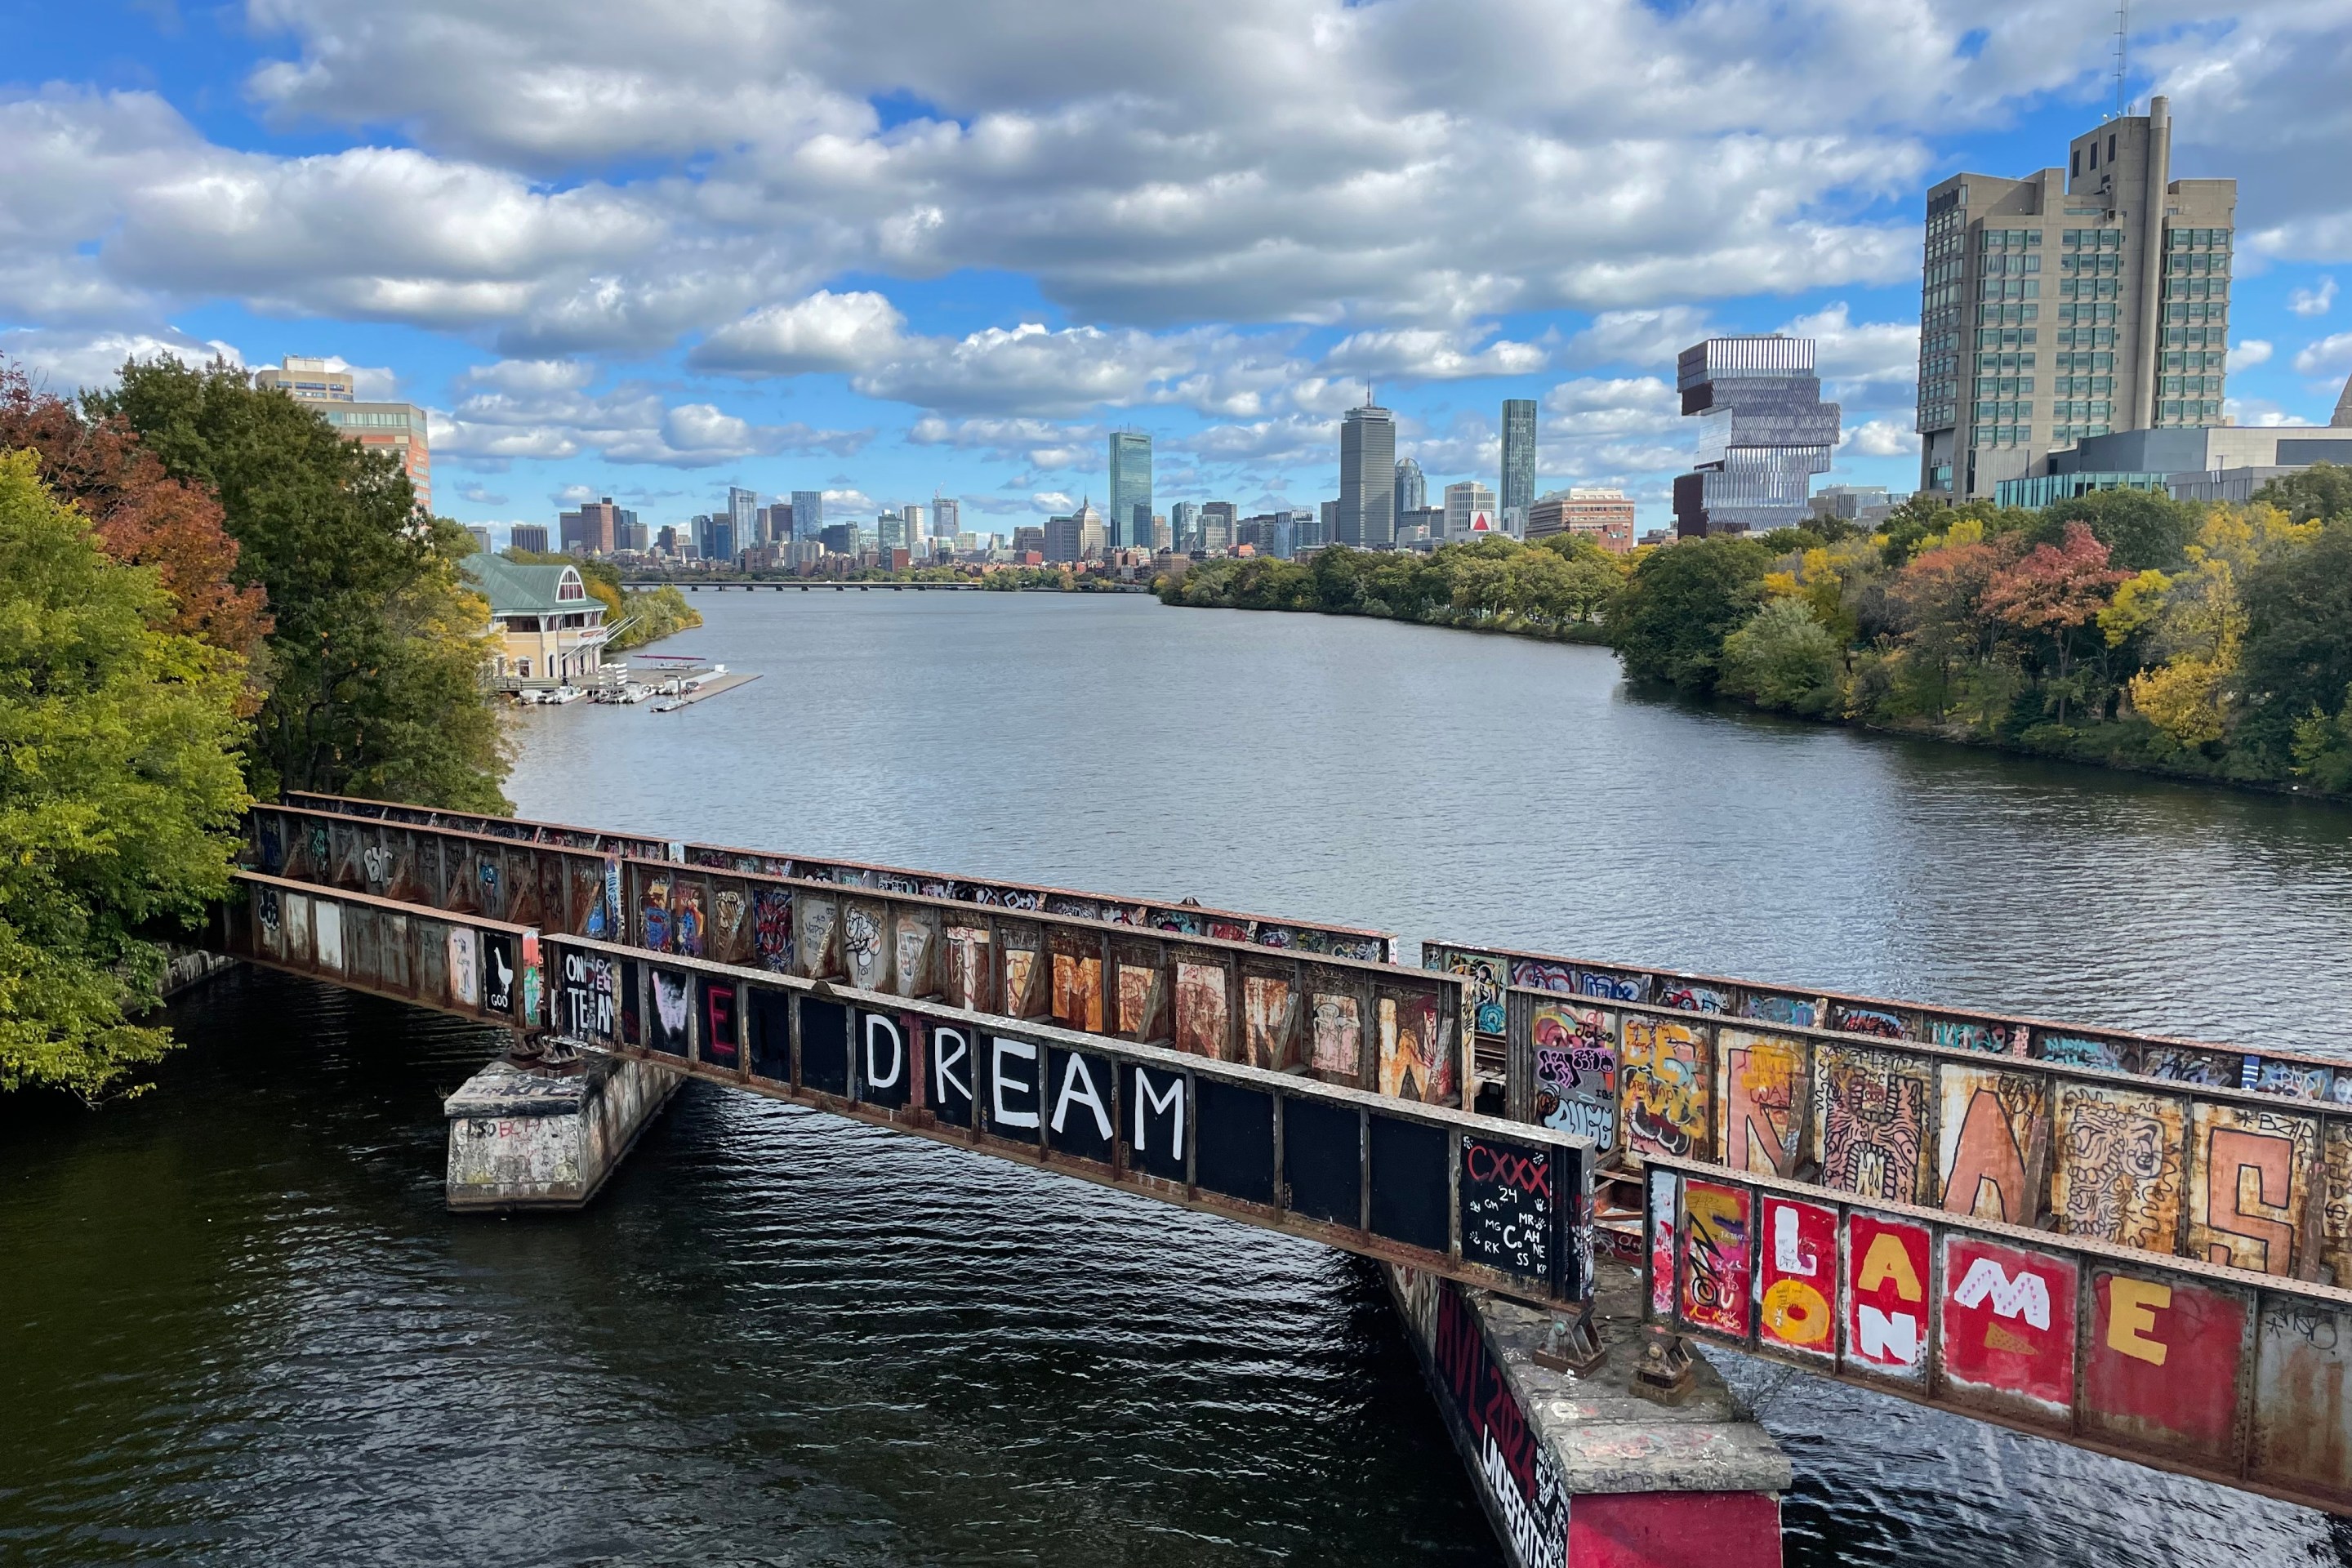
[824, 1047]
[954, 1067]
[719, 1046]
[1323, 1160]
[1153, 1125]
[1014, 1072]
[1508, 1220]
[1409, 1182]
[1081, 1095]
[770, 1018]
[672, 998]
[633, 1005]
[1233, 1145]
[886, 1060]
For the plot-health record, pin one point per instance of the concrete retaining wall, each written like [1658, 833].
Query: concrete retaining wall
[522, 1139]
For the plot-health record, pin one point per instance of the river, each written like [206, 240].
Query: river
[240, 1326]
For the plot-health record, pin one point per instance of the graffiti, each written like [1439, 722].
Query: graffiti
[731, 935]
[2183, 1065]
[1201, 1019]
[2253, 1178]
[689, 929]
[1853, 1020]
[1509, 1206]
[1617, 987]
[861, 946]
[2162, 1364]
[1987, 1121]
[1693, 998]
[2295, 1080]
[912, 952]
[1761, 1117]
[493, 903]
[816, 922]
[772, 928]
[1886, 1297]
[2079, 1050]
[1338, 1046]
[1138, 1000]
[1796, 1264]
[465, 982]
[265, 912]
[1665, 1088]
[1078, 997]
[1872, 1125]
[1791, 1012]
[1543, 974]
[1414, 1061]
[653, 913]
[672, 1010]
[1488, 976]
[1576, 1071]
[969, 971]
[1714, 1278]
[2009, 1326]
[2118, 1166]
[1020, 970]
[1513, 1464]
[1266, 1021]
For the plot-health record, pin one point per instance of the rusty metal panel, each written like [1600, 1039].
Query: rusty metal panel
[1992, 1141]
[2006, 1341]
[915, 951]
[2251, 1178]
[1662, 1086]
[2163, 1363]
[968, 966]
[1270, 1016]
[2119, 1158]
[1869, 1122]
[1077, 993]
[1760, 1108]
[730, 921]
[2303, 1399]
[816, 935]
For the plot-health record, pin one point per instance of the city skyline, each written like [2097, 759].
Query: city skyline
[648, 305]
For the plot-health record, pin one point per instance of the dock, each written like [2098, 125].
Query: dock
[714, 686]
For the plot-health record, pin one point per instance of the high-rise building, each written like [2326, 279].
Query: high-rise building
[1077, 537]
[1470, 510]
[2068, 304]
[482, 536]
[632, 535]
[915, 531]
[1217, 525]
[1763, 434]
[1162, 539]
[1131, 490]
[594, 530]
[398, 428]
[529, 537]
[1368, 478]
[776, 522]
[744, 517]
[1184, 525]
[890, 530]
[1605, 517]
[714, 537]
[1519, 492]
[808, 514]
[1411, 488]
[947, 517]
[1327, 529]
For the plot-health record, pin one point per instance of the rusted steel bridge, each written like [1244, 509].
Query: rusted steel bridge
[2121, 1241]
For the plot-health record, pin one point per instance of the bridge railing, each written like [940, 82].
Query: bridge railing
[1315, 937]
[2214, 1371]
[1468, 1198]
[1368, 1025]
[2221, 1174]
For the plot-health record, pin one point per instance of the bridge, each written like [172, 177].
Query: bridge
[802, 584]
[2125, 1242]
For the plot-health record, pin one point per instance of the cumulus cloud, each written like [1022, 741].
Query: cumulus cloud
[541, 409]
[2248, 353]
[1881, 438]
[69, 361]
[2313, 302]
[824, 331]
[1425, 354]
[2328, 356]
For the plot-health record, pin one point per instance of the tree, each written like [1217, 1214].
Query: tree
[142, 516]
[375, 657]
[2298, 649]
[2320, 493]
[2056, 590]
[119, 793]
[2142, 530]
[1680, 604]
[1782, 659]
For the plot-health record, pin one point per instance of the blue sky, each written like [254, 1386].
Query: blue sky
[887, 248]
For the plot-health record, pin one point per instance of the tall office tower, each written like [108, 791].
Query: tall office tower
[890, 532]
[947, 517]
[395, 427]
[632, 535]
[1519, 493]
[1469, 511]
[714, 536]
[1131, 490]
[776, 522]
[1368, 478]
[1411, 488]
[1184, 525]
[808, 514]
[529, 537]
[1217, 525]
[2070, 303]
[1763, 434]
[744, 515]
[481, 537]
[594, 530]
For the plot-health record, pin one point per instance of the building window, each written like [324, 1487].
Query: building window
[522, 669]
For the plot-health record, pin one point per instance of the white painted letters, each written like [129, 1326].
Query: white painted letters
[1078, 1087]
[875, 1078]
[1148, 1100]
[1003, 1048]
[950, 1050]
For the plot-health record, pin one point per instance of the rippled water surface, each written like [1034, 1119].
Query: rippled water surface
[239, 1326]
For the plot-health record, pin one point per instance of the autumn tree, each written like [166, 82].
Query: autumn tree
[2056, 590]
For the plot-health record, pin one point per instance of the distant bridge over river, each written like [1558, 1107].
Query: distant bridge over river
[2120, 1241]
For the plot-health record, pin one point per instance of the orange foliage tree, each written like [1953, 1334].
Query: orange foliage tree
[140, 514]
[2056, 590]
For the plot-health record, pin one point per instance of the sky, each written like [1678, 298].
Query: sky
[894, 248]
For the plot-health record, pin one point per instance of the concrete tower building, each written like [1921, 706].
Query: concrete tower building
[398, 428]
[2070, 303]
[1519, 491]
[1368, 478]
[1129, 523]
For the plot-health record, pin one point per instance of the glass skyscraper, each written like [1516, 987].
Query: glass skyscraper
[1130, 490]
[743, 517]
[1763, 434]
[1368, 478]
[1518, 489]
[808, 514]
[1411, 488]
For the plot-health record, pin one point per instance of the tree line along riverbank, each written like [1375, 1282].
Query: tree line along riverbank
[2123, 628]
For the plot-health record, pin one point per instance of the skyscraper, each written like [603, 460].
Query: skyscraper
[1763, 434]
[1184, 525]
[947, 516]
[1411, 488]
[808, 513]
[1217, 525]
[1131, 490]
[743, 517]
[594, 530]
[1519, 491]
[1368, 478]
[2130, 333]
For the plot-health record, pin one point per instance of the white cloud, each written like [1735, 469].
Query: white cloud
[824, 331]
[1881, 438]
[844, 504]
[1850, 351]
[2328, 356]
[1636, 337]
[540, 410]
[67, 361]
[2248, 353]
[2313, 302]
[1427, 354]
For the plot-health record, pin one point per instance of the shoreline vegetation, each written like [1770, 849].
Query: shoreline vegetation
[2121, 629]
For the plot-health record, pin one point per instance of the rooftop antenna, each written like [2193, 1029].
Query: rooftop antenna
[2123, 38]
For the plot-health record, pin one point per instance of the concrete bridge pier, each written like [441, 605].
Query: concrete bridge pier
[1581, 1469]
[537, 1137]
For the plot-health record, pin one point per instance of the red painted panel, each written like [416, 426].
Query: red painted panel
[1716, 1258]
[1886, 1297]
[2163, 1363]
[2009, 1326]
[1797, 1265]
[1675, 1529]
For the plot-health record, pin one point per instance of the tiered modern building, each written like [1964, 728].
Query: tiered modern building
[1764, 432]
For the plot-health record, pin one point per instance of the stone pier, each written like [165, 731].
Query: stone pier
[525, 1138]
[1578, 1471]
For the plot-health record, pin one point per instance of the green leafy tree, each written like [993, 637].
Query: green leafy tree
[2296, 659]
[1679, 606]
[120, 792]
[2320, 493]
[2143, 530]
[374, 662]
[1782, 659]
